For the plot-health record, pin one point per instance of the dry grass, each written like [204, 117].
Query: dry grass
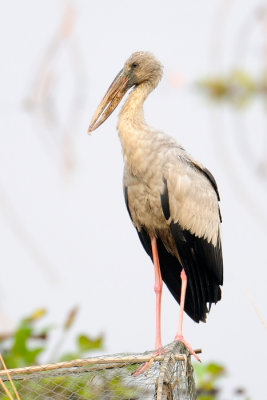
[10, 380]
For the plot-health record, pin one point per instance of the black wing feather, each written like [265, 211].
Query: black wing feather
[164, 198]
[209, 176]
[202, 263]
[212, 181]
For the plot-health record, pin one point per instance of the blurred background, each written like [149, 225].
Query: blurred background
[65, 236]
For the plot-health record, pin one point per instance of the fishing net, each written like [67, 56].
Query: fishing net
[168, 376]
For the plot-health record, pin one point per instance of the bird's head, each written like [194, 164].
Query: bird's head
[141, 68]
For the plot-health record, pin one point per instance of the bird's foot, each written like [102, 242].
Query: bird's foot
[187, 345]
[146, 366]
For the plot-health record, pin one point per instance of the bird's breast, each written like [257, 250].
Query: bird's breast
[144, 204]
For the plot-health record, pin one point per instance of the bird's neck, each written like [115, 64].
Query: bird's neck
[133, 130]
[132, 110]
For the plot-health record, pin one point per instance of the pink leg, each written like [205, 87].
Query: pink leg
[158, 291]
[179, 335]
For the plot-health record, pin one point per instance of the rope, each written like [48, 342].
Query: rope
[132, 359]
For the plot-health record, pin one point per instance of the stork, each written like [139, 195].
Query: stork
[171, 198]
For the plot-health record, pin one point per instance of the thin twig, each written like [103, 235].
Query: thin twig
[6, 389]
[9, 377]
[257, 310]
[67, 325]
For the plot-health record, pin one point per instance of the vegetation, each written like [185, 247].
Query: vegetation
[28, 342]
[237, 88]
[208, 380]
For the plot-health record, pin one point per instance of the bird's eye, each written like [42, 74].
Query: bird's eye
[134, 65]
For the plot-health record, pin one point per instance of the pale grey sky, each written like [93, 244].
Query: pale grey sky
[67, 241]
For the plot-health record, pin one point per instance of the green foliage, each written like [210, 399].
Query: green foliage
[29, 341]
[237, 88]
[25, 345]
[78, 387]
[207, 377]
[84, 345]
[18, 349]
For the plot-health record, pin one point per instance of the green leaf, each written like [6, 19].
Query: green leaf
[85, 343]
[70, 356]
[37, 314]
[21, 337]
[31, 357]
[215, 369]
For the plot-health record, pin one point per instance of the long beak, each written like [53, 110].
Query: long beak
[110, 101]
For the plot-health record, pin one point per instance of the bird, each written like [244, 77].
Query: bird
[172, 199]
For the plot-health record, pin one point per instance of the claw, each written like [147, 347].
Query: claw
[180, 338]
[146, 366]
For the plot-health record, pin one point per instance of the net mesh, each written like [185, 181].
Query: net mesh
[168, 376]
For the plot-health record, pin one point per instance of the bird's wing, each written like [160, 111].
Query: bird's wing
[193, 199]
[201, 258]
[189, 203]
